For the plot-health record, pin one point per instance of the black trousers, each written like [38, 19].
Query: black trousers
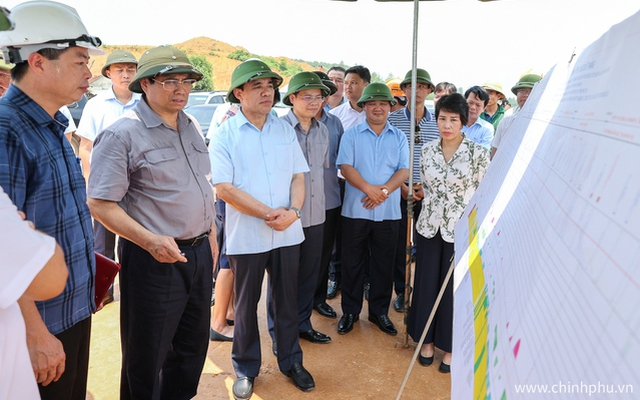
[432, 264]
[332, 218]
[282, 265]
[365, 241]
[164, 322]
[310, 253]
[72, 385]
[399, 271]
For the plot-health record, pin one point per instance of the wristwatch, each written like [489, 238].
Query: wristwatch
[385, 191]
[297, 210]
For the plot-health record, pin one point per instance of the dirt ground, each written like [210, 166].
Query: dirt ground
[364, 364]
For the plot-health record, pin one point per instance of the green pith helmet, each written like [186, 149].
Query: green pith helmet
[6, 24]
[304, 81]
[376, 91]
[422, 76]
[163, 60]
[526, 81]
[327, 82]
[118, 57]
[248, 71]
[493, 85]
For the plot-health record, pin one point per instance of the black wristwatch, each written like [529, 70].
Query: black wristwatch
[297, 210]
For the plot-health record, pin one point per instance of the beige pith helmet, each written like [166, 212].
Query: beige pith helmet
[495, 86]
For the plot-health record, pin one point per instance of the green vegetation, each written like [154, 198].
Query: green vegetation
[206, 83]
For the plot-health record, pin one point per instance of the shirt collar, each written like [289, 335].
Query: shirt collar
[152, 119]
[26, 104]
[427, 114]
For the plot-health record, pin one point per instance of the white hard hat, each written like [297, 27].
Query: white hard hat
[45, 24]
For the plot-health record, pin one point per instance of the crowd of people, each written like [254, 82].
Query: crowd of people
[316, 198]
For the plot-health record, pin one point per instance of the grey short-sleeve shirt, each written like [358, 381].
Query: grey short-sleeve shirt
[159, 176]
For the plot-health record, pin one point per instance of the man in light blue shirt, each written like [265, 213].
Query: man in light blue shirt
[374, 159]
[477, 129]
[258, 170]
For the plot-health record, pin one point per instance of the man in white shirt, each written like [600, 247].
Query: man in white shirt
[100, 112]
[356, 79]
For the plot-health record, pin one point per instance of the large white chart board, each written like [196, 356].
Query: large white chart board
[547, 279]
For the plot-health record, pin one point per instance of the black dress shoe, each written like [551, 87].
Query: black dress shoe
[230, 322]
[398, 303]
[325, 310]
[314, 336]
[425, 361]
[218, 337]
[445, 368]
[346, 323]
[384, 323]
[332, 289]
[367, 288]
[274, 349]
[301, 377]
[243, 388]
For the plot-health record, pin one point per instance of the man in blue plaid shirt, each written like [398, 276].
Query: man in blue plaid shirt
[41, 175]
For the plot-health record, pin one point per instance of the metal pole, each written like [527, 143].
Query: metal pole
[409, 246]
[426, 327]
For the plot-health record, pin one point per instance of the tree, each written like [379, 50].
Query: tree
[204, 66]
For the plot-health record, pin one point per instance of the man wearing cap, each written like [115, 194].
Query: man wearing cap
[105, 108]
[333, 200]
[477, 129]
[426, 130]
[374, 159]
[522, 89]
[39, 172]
[395, 85]
[100, 112]
[150, 184]
[258, 170]
[306, 94]
[493, 112]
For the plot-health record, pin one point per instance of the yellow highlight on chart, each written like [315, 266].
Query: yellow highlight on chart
[481, 311]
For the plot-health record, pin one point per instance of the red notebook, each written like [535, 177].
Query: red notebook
[106, 271]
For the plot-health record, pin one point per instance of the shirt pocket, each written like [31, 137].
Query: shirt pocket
[201, 156]
[165, 167]
[283, 157]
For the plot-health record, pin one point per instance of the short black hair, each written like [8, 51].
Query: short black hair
[20, 69]
[361, 71]
[454, 103]
[337, 68]
[479, 92]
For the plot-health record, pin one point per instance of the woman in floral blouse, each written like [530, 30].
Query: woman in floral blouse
[451, 170]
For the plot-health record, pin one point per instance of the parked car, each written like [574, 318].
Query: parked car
[203, 113]
[76, 108]
[215, 97]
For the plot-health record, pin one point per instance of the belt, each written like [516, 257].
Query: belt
[196, 241]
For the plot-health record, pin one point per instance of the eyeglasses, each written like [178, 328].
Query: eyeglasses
[417, 139]
[312, 99]
[172, 84]
[5, 76]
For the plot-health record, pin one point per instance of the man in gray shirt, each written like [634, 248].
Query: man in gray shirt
[150, 184]
[306, 94]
